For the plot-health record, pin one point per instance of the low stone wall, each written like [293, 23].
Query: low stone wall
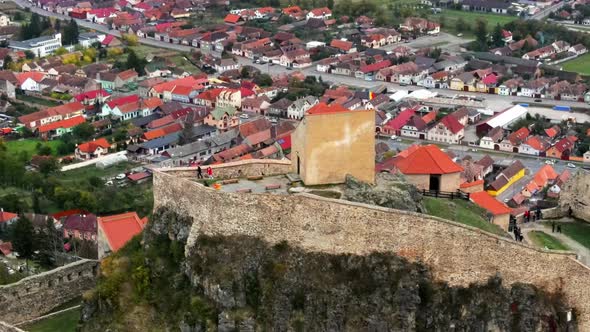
[455, 253]
[237, 169]
[5, 327]
[35, 296]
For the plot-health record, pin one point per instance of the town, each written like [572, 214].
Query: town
[481, 108]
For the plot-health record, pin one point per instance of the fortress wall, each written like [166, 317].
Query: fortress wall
[236, 169]
[36, 295]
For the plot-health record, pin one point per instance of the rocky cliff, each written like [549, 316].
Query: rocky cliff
[243, 283]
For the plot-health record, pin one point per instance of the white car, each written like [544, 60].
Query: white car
[570, 165]
[244, 116]
[549, 162]
[108, 183]
[393, 137]
[121, 176]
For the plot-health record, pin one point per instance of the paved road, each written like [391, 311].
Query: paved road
[545, 12]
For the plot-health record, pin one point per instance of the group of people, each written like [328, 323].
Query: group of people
[554, 228]
[200, 172]
[518, 234]
[534, 215]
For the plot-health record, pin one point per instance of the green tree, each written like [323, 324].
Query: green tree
[245, 73]
[23, 237]
[134, 62]
[263, 80]
[481, 34]
[48, 165]
[497, 36]
[44, 150]
[83, 131]
[30, 55]
[57, 26]
[7, 62]
[71, 33]
[13, 203]
[330, 4]
[460, 25]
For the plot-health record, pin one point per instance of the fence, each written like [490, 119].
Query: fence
[446, 194]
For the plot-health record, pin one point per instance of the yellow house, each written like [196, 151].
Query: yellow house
[506, 178]
[463, 82]
[332, 142]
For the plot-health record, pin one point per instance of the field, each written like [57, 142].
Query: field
[30, 146]
[85, 173]
[578, 231]
[462, 212]
[64, 322]
[450, 18]
[580, 65]
[544, 240]
[38, 101]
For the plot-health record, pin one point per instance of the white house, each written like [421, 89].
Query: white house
[322, 13]
[298, 108]
[41, 46]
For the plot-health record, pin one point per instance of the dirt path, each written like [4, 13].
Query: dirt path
[583, 252]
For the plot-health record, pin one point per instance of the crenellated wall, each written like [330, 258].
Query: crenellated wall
[236, 169]
[456, 253]
[36, 295]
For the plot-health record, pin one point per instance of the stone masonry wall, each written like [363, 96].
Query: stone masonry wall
[35, 296]
[237, 169]
[5, 327]
[575, 195]
[456, 253]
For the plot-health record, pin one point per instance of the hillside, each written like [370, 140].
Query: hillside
[242, 283]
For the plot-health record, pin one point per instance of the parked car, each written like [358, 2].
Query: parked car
[538, 100]
[244, 116]
[549, 162]
[570, 165]
[393, 137]
[121, 176]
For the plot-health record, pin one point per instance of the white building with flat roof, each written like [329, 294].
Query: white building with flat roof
[41, 46]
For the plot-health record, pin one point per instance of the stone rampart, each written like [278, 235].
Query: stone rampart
[456, 253]
[575, 194]
[237, 169]
[36, 295]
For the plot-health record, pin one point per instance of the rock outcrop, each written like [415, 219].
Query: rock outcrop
[389, 190]
[575, 195]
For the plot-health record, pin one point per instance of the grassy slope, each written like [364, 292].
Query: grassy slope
[543, 240]
[64, 322]
[452, 16]
[579, 65]
[30, 146]
[36, 100]
[460, 211]
[578, 231]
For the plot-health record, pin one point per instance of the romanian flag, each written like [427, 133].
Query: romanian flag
[371, 95]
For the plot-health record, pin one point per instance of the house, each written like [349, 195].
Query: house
[534, 145]
[58, 128]
[280, 107]
[420, 25]
[506, 36]
[296, 110]
[562, 149]
[52, 114]
[534, 88]
[325, 127]
[395, 125]
[502, 119]
[257, 105]
[7, 218]
[506, 178]
[93, 149]
[564, 90]
[30, 81]
[223, 65]
[514, 140]
[323, 13]
[116, 230]
[201, 150]
[544, 177]
[40, 46]
[578, 49]
[447, 130]
[233, 19]
[229, 98]
[487, 165]
[111, 81]
[109, 107]
[92, 97]
[463, 82]
[429, 168]
[222, 117]
[553, 132]
[486, 6]
[492, 139]
[343, 46]
[80, 226]
[294, 12]
[499, 213]
[415, 127]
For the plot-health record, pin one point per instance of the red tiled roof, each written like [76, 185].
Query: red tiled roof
[341, 44]
[537, 143]
[120, 228]
[471, 184]
[34, 75]
[428, 159]
[518, 136]
[323, 108]
[123, 101]
[486, 201]
[375, 66]
[321, 11]
[91, 95]
[67, 123]
[139, 176]
[6, 216]
[564, 144]
[152, 134]
[5, 248]
[400, 120]
[429, 117]
[90, 147]
[108, 39]
[552, 132]
[152, 103]
[452, 123]
[127, 74]
[232, 18]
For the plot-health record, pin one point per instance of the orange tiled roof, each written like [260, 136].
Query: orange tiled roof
[323, 108]
[486, 201]
[428, 159]
[119, 229]
[90, 147]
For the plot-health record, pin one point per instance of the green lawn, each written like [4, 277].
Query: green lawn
[64, 322]
[578, 231]
[580, 64]
[460, 211]
[36, 100]
[545, 240]
[30, 145]
[450, 18]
